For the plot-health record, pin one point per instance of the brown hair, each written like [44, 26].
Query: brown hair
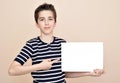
[42, 7]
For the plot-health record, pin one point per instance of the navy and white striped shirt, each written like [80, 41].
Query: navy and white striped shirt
[38, 50]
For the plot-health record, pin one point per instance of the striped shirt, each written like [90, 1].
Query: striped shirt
[38, 50]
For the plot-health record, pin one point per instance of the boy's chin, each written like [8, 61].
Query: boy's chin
[47, 33]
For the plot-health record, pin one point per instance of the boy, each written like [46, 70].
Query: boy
[45, 52]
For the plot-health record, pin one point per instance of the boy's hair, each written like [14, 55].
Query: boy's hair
[42, 7]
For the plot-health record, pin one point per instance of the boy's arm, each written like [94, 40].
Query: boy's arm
[17, 69]
[96, 72]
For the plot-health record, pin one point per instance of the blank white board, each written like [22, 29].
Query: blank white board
[82, 56]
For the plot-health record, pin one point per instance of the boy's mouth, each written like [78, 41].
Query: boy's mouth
[47, 27]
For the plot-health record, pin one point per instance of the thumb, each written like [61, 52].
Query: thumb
[47, 60]
[55, 61]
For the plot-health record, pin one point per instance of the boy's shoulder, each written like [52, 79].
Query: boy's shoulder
[60, 39]
[35, 39]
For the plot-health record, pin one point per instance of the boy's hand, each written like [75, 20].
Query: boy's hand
[97, 72]
[47, 64]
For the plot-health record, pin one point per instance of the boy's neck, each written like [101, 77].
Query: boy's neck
[47, 38]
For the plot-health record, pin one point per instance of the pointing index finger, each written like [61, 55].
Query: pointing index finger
[55, 61]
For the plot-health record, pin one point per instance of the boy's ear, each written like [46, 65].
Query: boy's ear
[55, 24]
[37, 25]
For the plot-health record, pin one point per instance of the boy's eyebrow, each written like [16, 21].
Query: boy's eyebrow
[50, 17]
[44, 17]
[41, 17]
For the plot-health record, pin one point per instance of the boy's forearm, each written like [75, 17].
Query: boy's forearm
[21, 70]
[17, 69]
[76, 74]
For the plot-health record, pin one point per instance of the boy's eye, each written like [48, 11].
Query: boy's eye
[50, 18]
[41, 19]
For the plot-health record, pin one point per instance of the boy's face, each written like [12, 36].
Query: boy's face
[46, 22]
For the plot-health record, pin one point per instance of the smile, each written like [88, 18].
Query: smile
[46, 27]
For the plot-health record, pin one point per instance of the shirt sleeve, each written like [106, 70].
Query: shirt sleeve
[25, 53]
[63, 41]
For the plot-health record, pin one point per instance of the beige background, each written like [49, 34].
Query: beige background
[78, 20]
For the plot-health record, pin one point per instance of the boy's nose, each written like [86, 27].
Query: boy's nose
[46, 22]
